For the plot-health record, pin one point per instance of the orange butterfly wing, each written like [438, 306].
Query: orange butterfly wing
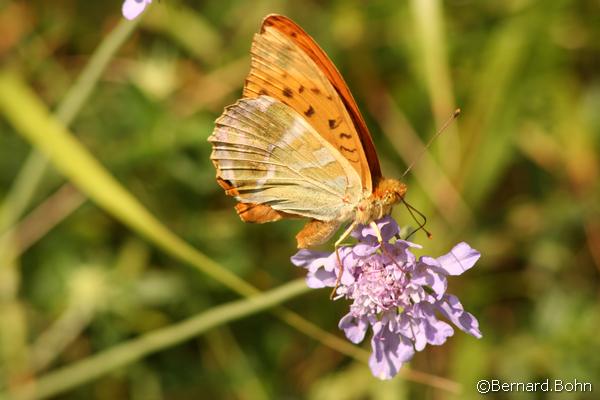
[319, 57]
[289, 66]
[251, 212]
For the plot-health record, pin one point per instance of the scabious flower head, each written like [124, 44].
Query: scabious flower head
[132, 8]
[399, 296]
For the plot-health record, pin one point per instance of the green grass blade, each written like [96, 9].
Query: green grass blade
[109, 360]
[30, 117]
[430, 34]
[35, 165]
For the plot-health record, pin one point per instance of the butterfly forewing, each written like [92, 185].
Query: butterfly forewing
[284, 67]
[268, 154]
[327, 67]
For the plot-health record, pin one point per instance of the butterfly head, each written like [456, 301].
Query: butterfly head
[387, 193]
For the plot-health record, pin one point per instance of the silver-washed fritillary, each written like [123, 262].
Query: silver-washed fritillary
[296, 144]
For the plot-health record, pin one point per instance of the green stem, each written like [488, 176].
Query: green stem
[32, 172]
[95, 366]
[86, 82]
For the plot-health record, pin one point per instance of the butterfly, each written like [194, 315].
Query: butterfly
[296, 144]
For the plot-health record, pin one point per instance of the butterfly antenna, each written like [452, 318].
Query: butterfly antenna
[413, 210]
[454, 115]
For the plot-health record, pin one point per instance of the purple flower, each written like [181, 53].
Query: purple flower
[132, 8]
[399, 296]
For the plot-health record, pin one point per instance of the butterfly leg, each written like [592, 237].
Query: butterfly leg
[377, 232]
[337, 245]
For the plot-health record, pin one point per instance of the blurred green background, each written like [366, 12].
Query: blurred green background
[516, 177]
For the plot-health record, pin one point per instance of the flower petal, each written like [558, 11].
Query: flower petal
[451, 307]
[390, 351]
[461, 258]
[364, 249]
[432, 277]
[354, 328]
[320, 278]
[304, 257]
[436, 332]
[321, 267]
[387, 227]
[132, 8]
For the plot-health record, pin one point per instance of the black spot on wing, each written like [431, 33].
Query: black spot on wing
[287, 92]
[349, 154]
[310, 111]
[345, 135]
[344, 148]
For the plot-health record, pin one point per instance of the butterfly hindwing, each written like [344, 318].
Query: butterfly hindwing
[267, 154]
[259, 213]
